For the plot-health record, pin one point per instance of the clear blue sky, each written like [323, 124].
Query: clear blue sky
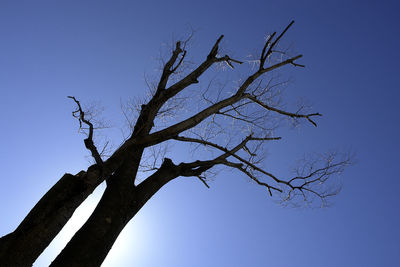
[100, 50]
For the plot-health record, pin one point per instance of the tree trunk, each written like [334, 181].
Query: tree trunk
[91, 243]
[23, 246]
[118, 205]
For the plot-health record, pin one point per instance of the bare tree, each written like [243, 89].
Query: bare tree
[233, 122]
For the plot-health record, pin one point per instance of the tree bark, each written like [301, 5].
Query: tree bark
[24, 245]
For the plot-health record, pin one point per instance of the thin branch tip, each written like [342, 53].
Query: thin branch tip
[203, 181]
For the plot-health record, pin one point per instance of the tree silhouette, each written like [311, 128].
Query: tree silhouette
[233, 123]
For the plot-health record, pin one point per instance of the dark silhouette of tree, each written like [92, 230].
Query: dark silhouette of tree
[236, 122]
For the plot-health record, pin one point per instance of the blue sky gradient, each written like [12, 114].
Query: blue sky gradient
[101, 50]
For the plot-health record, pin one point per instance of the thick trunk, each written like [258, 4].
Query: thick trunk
[91, 243]
[118, 205]
[23, 246]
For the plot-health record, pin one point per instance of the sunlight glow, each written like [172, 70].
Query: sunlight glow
[131, 246]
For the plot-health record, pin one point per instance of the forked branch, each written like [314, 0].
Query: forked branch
[193, 76]
[169, 67]
[269, 46]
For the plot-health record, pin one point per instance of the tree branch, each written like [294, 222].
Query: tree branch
[228, 61]
[282, 112]
[168, 67]
[318, 176]
[203, 180]
[188, 139]
[184, 125]
[280, 64]
[239, 166]
[199, 166]
[89, 144]
[265, 55]
[192, 77]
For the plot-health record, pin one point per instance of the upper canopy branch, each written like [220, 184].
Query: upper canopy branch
[89, 144]
[192, 77]
[169, 67]
[148, 112]
[214, 50]
[280, 64]
[282, 112]
[269, 46]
